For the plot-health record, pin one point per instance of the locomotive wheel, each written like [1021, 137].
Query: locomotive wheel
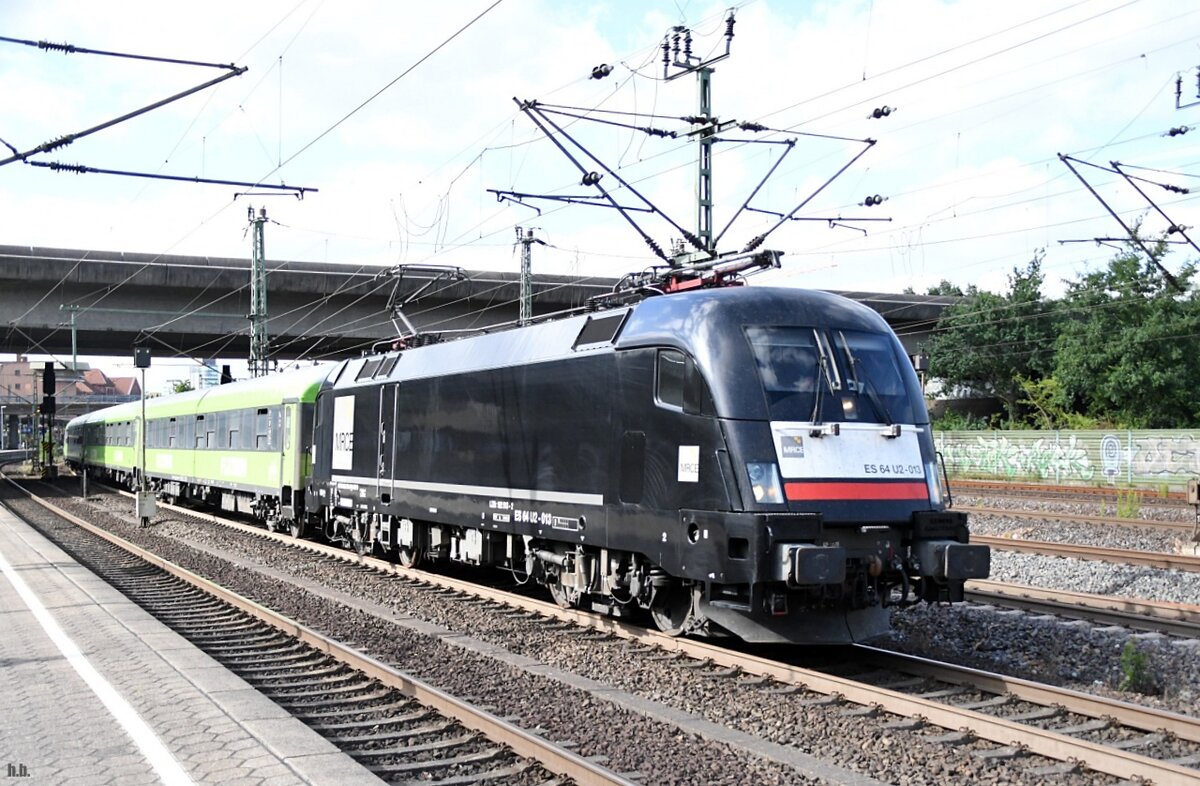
[565, 597]
[296, 528]
[671, 609]
[408, 556]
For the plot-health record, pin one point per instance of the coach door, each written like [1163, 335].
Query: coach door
[288, 477]
[385, 472]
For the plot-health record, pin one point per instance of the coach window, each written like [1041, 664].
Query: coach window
[262, 430]
[173, 426]
[201, 435]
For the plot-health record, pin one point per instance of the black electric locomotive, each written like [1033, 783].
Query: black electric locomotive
[744, 460]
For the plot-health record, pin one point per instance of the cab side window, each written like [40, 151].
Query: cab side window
[679, 384]
[668, 387]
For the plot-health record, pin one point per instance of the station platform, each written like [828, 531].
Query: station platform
[94, 690]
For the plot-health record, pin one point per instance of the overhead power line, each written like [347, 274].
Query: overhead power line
[63, 141]
[383, 89]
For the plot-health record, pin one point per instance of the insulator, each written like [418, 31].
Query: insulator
[1178, 131]
[50, 46]
[591, 178]
[752, 127]
[880, 112]
[729, 27]
[687, 45]
[872, 201]
[666, 47]
[675, 42]
[62, 141]
[601, 71]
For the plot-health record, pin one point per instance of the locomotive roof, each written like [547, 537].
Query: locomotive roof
[689, 319]
[694, 322]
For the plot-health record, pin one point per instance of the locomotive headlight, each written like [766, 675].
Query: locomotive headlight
[849, 408]
[765, 482]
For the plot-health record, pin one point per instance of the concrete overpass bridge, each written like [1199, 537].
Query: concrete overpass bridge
[198, 306]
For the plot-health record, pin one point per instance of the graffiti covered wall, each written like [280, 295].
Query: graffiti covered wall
[1139, 458]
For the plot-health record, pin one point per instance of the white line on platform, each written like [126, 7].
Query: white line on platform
[168, 769]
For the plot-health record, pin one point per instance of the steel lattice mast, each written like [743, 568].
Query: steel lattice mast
[259, 340]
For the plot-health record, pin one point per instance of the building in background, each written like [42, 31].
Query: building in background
[77, 389]
[206, 375]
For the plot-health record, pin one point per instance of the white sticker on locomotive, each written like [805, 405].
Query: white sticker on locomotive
[343, 432]
[689, 463]
[859, 451]
[565, 523]
[791, 445]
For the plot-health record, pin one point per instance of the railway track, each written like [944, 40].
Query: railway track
[400, 728]
[995, 488]
[1043, 548]
[1112, 737]
[1176, 619]
[1183, 527]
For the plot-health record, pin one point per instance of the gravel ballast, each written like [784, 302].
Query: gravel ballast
[856, 743]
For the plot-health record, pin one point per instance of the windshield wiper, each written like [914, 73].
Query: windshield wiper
[823, 379]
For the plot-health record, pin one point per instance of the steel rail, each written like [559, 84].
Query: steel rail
[1152, 559]
[1060, 747]
[1145, 496]
[1180, 619]
[554, 758]
[1133, 715]
[1082, 518]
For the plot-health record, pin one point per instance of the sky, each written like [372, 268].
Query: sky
[401, 116]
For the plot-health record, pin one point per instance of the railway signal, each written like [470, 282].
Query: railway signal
[145, 505]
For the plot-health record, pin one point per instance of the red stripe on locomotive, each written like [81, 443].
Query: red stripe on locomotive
[847, 490]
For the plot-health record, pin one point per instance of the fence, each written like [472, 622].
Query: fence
[1154, 459]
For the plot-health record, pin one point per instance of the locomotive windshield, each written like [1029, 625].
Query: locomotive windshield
[811, 375]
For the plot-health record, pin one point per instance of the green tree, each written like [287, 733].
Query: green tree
[1127, 347]
[944, 287]
[181, 386]
[993, 343]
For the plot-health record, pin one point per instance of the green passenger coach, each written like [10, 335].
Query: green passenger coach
[243, 447]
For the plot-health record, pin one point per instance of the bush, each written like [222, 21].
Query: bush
[958, 421]
[1129, 504]
[1135, 669]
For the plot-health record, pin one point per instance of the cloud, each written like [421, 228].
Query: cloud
[986, 96]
